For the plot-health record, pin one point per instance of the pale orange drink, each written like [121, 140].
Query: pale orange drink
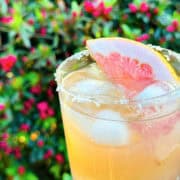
[121, 117]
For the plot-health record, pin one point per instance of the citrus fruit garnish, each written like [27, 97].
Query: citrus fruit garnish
[130, 63]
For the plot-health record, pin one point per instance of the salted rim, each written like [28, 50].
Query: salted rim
[84, 98]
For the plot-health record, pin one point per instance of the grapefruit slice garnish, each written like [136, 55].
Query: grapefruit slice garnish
[130, 63]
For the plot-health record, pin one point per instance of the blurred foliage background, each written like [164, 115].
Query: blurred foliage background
[35, 36]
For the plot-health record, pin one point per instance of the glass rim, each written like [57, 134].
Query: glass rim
[95, 99]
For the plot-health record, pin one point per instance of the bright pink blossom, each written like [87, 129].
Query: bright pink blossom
[30, 21]
[17, 152]
[43, 31]
[24, 127]
[143, 37]
[48, 154]
[144, 7]
[7, 62]
[2, 107]
[36, 89]
[3, 145]
[170, 28]
[40, 143]
[42, 106]
[6, 20]
[132, 7]
[175, 23]
[59, 158]
[27, 105]
[107, 11]
[89, 6]
[21, 170]
[45, 110]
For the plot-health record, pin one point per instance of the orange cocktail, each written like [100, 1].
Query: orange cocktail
[110, 137]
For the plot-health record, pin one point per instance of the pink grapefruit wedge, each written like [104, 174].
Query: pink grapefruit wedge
[130, 63]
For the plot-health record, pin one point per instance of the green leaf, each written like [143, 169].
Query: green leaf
[137, 2]
[107, 29]
[17, 17]
[176, 16]
[48, 122]
[30, 176]
[32, 77]
[55, 170]
[10, 171]
[66, 176]
[127, 31]
[109, 2]
[75, 7]
[17, 82]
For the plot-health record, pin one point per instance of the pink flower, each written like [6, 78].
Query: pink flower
[175, 24]
[170, 28]
[6, 20]
[156, 11]
[43, 31]
[43, 13]
[7, 62]
[50, 93]
[144, 7]
[132, 7]
[40, 143]
[24, 127]
[5, 136]
[88, 6]
[107, 11]
[50, 111]
[148, 14]
[27, 106]
[2, 107]
[17, 152]
[96, 13]
[30, 21]
[74, 14]
[36, 89]
[45, 110]
[32, 50]
[8, 150]
[42, 106]
[59, 158]
[48, 154]
[11, 11]
[3, 145]
[21, 170]
[24, 59]
[143, 37]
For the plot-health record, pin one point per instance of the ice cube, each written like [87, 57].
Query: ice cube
[156, 89]
[93, 87]
[110, 129]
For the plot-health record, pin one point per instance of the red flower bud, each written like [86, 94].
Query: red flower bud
[21, 170]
